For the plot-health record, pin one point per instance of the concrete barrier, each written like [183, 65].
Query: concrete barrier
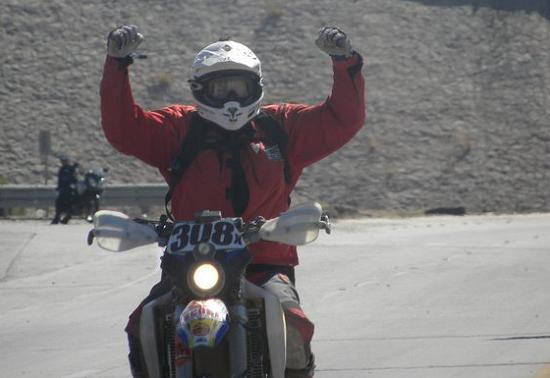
[43, 196]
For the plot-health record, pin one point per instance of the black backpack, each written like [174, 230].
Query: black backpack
[204, 135]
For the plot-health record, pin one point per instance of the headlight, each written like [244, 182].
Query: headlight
[206, 276]
[205, 279]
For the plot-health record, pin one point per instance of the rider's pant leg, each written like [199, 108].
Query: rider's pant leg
[300, 359]
[58, 210]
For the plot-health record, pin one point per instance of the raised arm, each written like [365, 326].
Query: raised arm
[316, 131]
[149, 136]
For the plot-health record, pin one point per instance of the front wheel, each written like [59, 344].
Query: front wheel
[91, 208]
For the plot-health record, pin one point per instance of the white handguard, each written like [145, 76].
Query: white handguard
[334, 42]
[123, 41]
[116, 232]
[298, 226]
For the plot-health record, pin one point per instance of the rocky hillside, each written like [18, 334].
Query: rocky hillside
[458, 90]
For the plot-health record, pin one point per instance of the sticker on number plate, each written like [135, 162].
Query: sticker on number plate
[222, 234]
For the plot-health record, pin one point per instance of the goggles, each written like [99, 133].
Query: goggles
[232, 87]
[216, 90]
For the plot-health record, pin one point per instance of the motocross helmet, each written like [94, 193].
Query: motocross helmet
[227, 84]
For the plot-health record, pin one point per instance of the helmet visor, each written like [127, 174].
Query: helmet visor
[218, 88]
[232, 87]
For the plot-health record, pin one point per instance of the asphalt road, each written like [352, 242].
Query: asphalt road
[420, 297]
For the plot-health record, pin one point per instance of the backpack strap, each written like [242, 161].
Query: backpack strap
[189, 149]
[277, 135]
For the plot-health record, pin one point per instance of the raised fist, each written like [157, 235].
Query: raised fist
[123, 41]
[334, 42]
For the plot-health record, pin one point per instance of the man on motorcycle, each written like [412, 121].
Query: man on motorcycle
[239, 165]
[66, 186]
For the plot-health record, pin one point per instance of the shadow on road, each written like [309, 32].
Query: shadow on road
[540, 6]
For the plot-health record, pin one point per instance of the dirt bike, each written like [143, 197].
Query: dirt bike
[213, 323]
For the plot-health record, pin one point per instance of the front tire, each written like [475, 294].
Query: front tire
[92, 207]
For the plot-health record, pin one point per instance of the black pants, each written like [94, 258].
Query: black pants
[62, 207]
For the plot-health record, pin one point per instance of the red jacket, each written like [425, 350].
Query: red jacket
[155, 137]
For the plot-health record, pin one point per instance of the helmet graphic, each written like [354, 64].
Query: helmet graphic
[227, 84]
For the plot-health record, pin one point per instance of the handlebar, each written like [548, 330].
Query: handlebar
[297, 226]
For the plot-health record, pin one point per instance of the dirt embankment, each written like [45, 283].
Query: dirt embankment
[457, 90]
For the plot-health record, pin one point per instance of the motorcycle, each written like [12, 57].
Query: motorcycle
[87, 193]
[213, 323]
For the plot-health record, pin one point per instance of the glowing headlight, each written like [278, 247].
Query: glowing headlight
[206, 276]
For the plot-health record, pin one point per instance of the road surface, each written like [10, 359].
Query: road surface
[418, 297]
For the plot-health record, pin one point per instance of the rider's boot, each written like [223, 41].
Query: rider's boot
[307, 372]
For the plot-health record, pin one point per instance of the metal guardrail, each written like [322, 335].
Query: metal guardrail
[43, 196]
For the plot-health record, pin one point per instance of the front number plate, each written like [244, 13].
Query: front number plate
[222, 234]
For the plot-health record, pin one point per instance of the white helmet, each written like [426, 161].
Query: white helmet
[227, 84]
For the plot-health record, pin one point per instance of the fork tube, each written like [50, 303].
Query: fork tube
[237, 340]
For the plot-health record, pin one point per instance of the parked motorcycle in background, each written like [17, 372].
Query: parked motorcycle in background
[83, 197]
[213, 323]
[88, 193]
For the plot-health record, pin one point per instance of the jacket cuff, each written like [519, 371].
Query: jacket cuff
[352, 65]
[123, 63]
